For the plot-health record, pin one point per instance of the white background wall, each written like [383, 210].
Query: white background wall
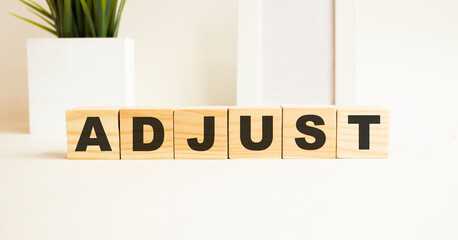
[296, 52]
[186, 51]
[407, 60]
[185, 54]
[13, 68]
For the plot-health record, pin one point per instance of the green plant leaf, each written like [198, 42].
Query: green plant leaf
[60, 7]
[36, 24]
[97, 18]
[38, 8]
[43, 18]
[103, 21]
[52, 7]
[118, 17]
[87, 13]
[67, 22]
[78, 18]
[112, 17]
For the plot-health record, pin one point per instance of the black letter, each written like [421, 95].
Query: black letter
[267, 133]
[85, 139]
[318, 134]
[209, 136]
[364, 121]
[138, 143]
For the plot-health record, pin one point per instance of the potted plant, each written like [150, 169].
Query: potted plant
[87, 65]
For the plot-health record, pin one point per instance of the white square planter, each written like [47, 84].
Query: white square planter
[67, 73]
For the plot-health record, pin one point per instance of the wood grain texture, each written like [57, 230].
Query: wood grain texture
[348, 134]
[237, 150]
[290, 132]
[189, 123]
[76, 118]
[164, 115]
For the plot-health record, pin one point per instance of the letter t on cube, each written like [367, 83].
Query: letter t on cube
[363, 132]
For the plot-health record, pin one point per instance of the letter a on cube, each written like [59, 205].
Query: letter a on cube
[255, 132]
[92, 133]
[363, 132]
[146, 133]
[200, 133]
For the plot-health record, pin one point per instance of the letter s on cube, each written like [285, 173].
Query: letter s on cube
[309, 132]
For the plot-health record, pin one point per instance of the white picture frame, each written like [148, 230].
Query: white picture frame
[248, 64]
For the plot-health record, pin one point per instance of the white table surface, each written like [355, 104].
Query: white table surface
[411, 195]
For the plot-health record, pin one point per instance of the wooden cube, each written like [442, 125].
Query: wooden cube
[255, 132]
[92, 133]
[146, 133]
[309, 132]
[200, 133]
[363, 132]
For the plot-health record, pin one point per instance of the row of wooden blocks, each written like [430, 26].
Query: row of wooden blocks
[228, 132]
